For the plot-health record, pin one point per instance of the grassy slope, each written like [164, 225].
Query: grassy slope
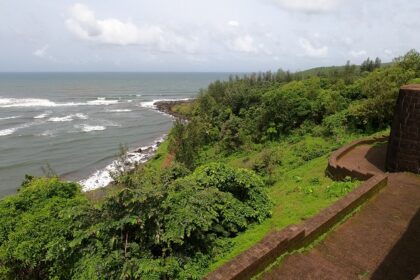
[298, 193]
[301, 189]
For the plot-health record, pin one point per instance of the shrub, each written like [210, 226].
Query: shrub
[36, 228]
[339, 189]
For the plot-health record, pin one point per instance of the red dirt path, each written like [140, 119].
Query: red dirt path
[381, 241]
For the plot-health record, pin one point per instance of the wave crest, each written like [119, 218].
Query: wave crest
[89, 128]
[38, 102]
[151, 104]
[68, 118]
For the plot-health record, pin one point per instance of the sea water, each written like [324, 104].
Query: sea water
[74, 123]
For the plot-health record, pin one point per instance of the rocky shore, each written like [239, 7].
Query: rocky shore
[98, 183]
[167, 107]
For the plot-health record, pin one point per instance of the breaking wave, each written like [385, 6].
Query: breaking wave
[68, 118]
[152, 104]
[102, 178]
[12, 130]
[43, 115]
[38, 102]
[119, 110]
[89, 128]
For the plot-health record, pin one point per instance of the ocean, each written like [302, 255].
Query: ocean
[74, 123]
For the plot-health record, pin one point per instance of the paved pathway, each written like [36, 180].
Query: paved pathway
[380, 242]
[366, 157]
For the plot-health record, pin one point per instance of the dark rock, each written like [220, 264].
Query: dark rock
[166, 107]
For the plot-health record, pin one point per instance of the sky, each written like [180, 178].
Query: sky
[202, 35]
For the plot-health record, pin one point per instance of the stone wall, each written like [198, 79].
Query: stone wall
[337, 171]
[404, 141]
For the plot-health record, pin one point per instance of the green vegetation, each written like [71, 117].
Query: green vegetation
[250, 159]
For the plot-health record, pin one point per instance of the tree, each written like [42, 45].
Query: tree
[410, 61]
[36, 229]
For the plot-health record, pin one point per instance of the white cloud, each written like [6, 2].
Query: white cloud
[311, 50]
[41, 52]
[244, 44]
[360, 53]
[310, 6]
[233, 23]
[84, 24]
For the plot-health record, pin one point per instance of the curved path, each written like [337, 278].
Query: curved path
[381, 241]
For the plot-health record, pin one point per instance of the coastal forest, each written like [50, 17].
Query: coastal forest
[247, 157]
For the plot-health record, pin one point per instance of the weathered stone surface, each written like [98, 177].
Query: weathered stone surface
[404, 141]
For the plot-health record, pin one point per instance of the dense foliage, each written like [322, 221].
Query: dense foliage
[174, 220]
[236, 114]
[161, 224]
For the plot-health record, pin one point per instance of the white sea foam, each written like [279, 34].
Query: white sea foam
[152, 104]
[68, 118]
[81, 116]
[46, 133]
[89, 128]
[12, 130]
[38, 102]
[102, 102]
[10, 118]
[43, 115]
[148, 104]
[119, 110]
[25, 102]
[8, 131]
[102, 178]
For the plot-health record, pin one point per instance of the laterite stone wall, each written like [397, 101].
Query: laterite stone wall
[404, 141]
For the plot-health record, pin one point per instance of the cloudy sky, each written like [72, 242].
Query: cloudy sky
[204, 35]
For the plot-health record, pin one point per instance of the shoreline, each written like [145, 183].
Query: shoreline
[102, 178]
[166, 107]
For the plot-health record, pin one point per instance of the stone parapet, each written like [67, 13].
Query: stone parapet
[338, 171]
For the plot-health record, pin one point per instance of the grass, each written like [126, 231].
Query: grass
[414, 81]
[157, 160]
[184, 108]
[300, 188]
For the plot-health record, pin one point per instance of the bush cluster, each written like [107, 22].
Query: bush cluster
[160, 225]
